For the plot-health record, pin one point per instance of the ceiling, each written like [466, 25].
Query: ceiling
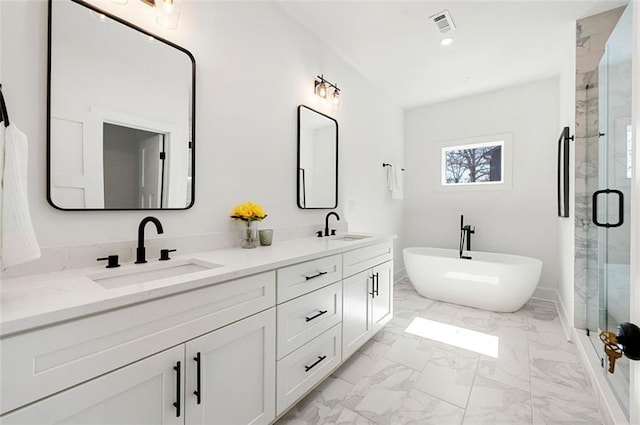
[397, 47]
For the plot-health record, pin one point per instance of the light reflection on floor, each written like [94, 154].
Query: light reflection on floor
[453, 335]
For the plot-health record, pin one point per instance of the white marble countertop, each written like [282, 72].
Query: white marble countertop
[39, 300]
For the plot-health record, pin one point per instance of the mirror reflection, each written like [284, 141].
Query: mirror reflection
[317, 159]
[121, 113]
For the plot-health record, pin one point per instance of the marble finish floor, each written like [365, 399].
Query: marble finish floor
[534, 376]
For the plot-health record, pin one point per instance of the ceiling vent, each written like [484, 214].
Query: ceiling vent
[443, 21]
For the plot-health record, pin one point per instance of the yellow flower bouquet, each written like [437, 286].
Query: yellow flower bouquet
[248, 212]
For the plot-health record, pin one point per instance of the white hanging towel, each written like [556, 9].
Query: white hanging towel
[391, 177]
[19, 243]
[397, 191]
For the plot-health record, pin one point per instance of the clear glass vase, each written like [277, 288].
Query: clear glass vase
[249, 234]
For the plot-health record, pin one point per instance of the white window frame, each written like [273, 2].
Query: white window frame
[503, 139]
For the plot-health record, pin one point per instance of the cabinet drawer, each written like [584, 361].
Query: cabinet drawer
[299, 279]
[364, 258]
[38, 363]
[304, 318]
[301, 370]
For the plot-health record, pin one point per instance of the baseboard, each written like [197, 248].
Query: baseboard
[565, 320]
[545, 294]
[398, 275]
[610, 410]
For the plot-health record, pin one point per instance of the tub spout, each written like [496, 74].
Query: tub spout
[465, 233]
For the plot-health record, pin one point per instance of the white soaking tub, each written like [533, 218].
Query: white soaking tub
[495, 282]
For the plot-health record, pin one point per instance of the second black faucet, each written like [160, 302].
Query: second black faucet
[140, 251]
[326, 222]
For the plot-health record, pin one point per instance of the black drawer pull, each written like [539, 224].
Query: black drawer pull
[320, 358]
[320, 313]
[177, 403]
[197, 392]
[315, 275]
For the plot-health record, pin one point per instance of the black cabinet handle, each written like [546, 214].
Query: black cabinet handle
[320, 313]
[594, 215]
[315, 275]
[373, 286]
[320, 358]
[178, 379]
[377, 284]
[197, 392]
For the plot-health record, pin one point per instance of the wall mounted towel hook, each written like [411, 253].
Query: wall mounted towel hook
[384, 164]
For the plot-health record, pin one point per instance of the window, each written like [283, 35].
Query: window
[473, 164]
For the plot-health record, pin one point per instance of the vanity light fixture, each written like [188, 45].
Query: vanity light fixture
[321, 89]
[167, 12]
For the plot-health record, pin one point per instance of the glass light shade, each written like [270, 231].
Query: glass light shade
[336, 97]
[167, 13]
[321, 89]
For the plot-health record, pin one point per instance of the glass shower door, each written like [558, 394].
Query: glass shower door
[611, 201]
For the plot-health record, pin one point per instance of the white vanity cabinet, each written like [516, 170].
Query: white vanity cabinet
[228, 352]
[141, 393]
[223, 377]
[230, 374]
[367, 294]
[309, 333]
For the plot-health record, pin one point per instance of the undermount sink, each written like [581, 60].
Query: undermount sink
[135, 274]
[351, 238]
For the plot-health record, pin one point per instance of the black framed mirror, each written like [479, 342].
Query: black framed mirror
[120, 114]
[317, 160]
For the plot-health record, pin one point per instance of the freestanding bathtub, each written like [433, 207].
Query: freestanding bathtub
[496, 282]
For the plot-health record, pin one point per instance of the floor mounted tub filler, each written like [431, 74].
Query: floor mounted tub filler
[495, 282]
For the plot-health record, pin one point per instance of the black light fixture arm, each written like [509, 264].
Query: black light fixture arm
[325, 81]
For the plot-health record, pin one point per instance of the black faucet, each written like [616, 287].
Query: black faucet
[326, 221]
[140, 251]
[465, 231]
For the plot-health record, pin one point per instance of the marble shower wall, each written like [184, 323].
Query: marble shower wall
[591, 36]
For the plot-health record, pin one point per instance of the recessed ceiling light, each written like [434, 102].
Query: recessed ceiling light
[463, 80]
[446, 41]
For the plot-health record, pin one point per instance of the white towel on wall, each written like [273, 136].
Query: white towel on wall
[18, 239]
[397, 192]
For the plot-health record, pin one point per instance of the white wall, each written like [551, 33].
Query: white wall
[566, 226]
[521, 220]
[254, 65]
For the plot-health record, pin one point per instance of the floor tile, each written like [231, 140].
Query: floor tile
[557, 404]
[448, 376]
[492, 403]
[510, 368]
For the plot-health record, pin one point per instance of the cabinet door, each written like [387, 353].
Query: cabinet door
[237, 373]
[356, 312]
[141, 393]
[382, 310]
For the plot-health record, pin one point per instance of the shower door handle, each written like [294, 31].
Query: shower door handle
[594, 214]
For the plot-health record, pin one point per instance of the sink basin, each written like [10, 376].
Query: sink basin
[135, 274]
[350, 238]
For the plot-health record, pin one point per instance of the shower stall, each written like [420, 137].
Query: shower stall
[609, 174]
